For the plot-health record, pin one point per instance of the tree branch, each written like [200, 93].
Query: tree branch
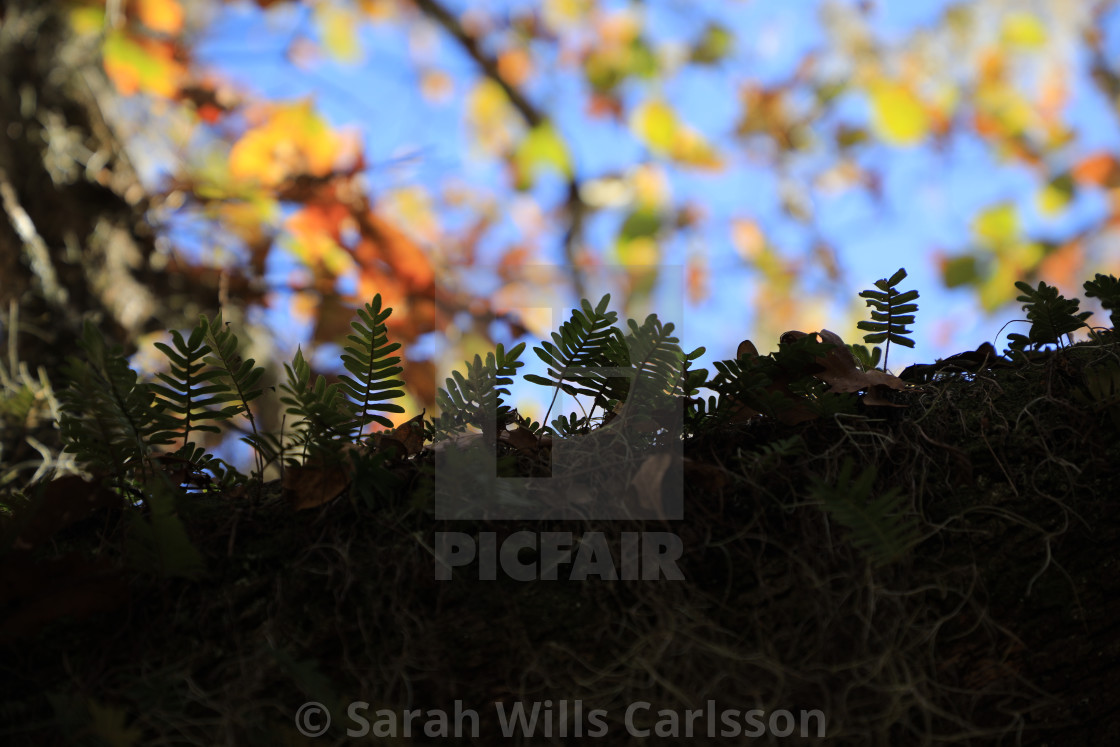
[531, 114]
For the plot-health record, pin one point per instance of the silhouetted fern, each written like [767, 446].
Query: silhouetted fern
[1106, 288]
[109, 420]
[475, 398]
[1051, 314]
[373, 372]
[891, 312]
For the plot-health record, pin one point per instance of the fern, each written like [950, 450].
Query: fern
[880, 527]
[867, 358]
[891, 312]
[1106, 288]
[241, 379]
[188, 390]
[1052, 316]
[656, 358]
[373, 372]
[585, 342]
[323, 414]
[474, 398]
[109, 420]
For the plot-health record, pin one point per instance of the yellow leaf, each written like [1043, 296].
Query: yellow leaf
[487, 110]
[691, 149]
[86, 20]
[640, 251]
[338, 26]
[655, 124]
[1024, 30]
[898, 117]
[1055, 196]
[998, 225]
[293, 140]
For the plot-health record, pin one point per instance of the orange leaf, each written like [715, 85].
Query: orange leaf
[164, 16]
[292, 141]
[1098, 169]
[144, 65]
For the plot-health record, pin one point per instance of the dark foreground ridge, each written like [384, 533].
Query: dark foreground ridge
[922, 559]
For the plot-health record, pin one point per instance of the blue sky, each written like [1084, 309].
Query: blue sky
[930, 197]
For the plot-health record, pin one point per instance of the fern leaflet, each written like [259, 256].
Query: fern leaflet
[322, 413]
[891, 311]
[109, 420]
[188, 391]
[373, 372]
[1106, 288]
[241, 378]
[475, 398]
[1051, 314]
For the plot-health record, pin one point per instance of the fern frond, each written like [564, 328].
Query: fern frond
[583, 342]
[891, 311]
[475, 398]
[1051, 314]
[1106, 288]
[188, 391]
[240, 377]
[323, 414]
[109, 420]
[365, 358]
[658, 366]
[586, 342]
[880, 527]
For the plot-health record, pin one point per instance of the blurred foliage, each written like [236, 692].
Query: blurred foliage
[535, 86]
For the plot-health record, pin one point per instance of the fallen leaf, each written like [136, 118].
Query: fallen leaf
[310, 486]
[647, 481]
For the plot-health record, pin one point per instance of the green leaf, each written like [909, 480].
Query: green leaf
[540, 151]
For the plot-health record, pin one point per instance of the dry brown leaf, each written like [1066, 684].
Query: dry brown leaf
[842, 374]
[310, 486]
[746, 347]
[646, 482]
[523, 439]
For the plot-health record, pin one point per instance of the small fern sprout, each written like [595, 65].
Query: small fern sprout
[109, 420]
[891, 311]
[321, 411]
[1052, 316]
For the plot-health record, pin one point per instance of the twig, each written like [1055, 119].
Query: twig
[532, 116]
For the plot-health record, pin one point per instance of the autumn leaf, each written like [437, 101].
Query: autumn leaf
[1099, 169]
[997, 225]
[163, 16]
[141, 65]
[338, 26]
[291, 141]
[540, 151]
[898, 116]
[1023, 30]
[655, 124]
